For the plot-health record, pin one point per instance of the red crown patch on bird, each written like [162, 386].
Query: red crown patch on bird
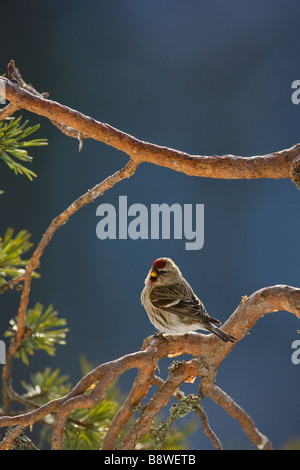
[159, 264]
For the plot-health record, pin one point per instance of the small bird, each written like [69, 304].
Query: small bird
[172, 305]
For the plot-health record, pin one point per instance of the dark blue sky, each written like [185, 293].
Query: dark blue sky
[203, 77]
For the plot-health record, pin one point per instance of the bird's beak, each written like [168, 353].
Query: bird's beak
[154, 274]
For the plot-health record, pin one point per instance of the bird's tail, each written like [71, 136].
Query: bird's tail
[221, 334]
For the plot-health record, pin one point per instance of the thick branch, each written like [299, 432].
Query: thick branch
[144, 423]
[119, 366]
[82, 401]
[274, 165]
[249, 311]
[139, 389]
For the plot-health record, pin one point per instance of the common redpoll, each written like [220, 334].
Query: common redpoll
[171, 304]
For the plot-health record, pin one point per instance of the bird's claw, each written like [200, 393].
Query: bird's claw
[156, 334]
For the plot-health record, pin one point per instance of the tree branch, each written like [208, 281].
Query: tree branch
[256, 437]
[144, 423]
[179, 395]
[8, 441]
[86, 198]
[208, 352]
[139, 390]
[273, 165]
[207, 429]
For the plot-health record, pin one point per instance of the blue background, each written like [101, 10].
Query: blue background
[202, 77]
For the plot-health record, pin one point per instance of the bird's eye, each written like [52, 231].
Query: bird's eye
[162, 272]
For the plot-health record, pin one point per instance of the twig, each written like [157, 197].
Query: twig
[255, 436]
[86, 198]
[179, 395]
[207, 429]
[10, 109]
[12, 283]
[8, 441]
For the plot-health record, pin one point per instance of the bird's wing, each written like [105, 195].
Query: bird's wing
[182, 302]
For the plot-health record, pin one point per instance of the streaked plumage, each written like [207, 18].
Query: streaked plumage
[171, 304]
